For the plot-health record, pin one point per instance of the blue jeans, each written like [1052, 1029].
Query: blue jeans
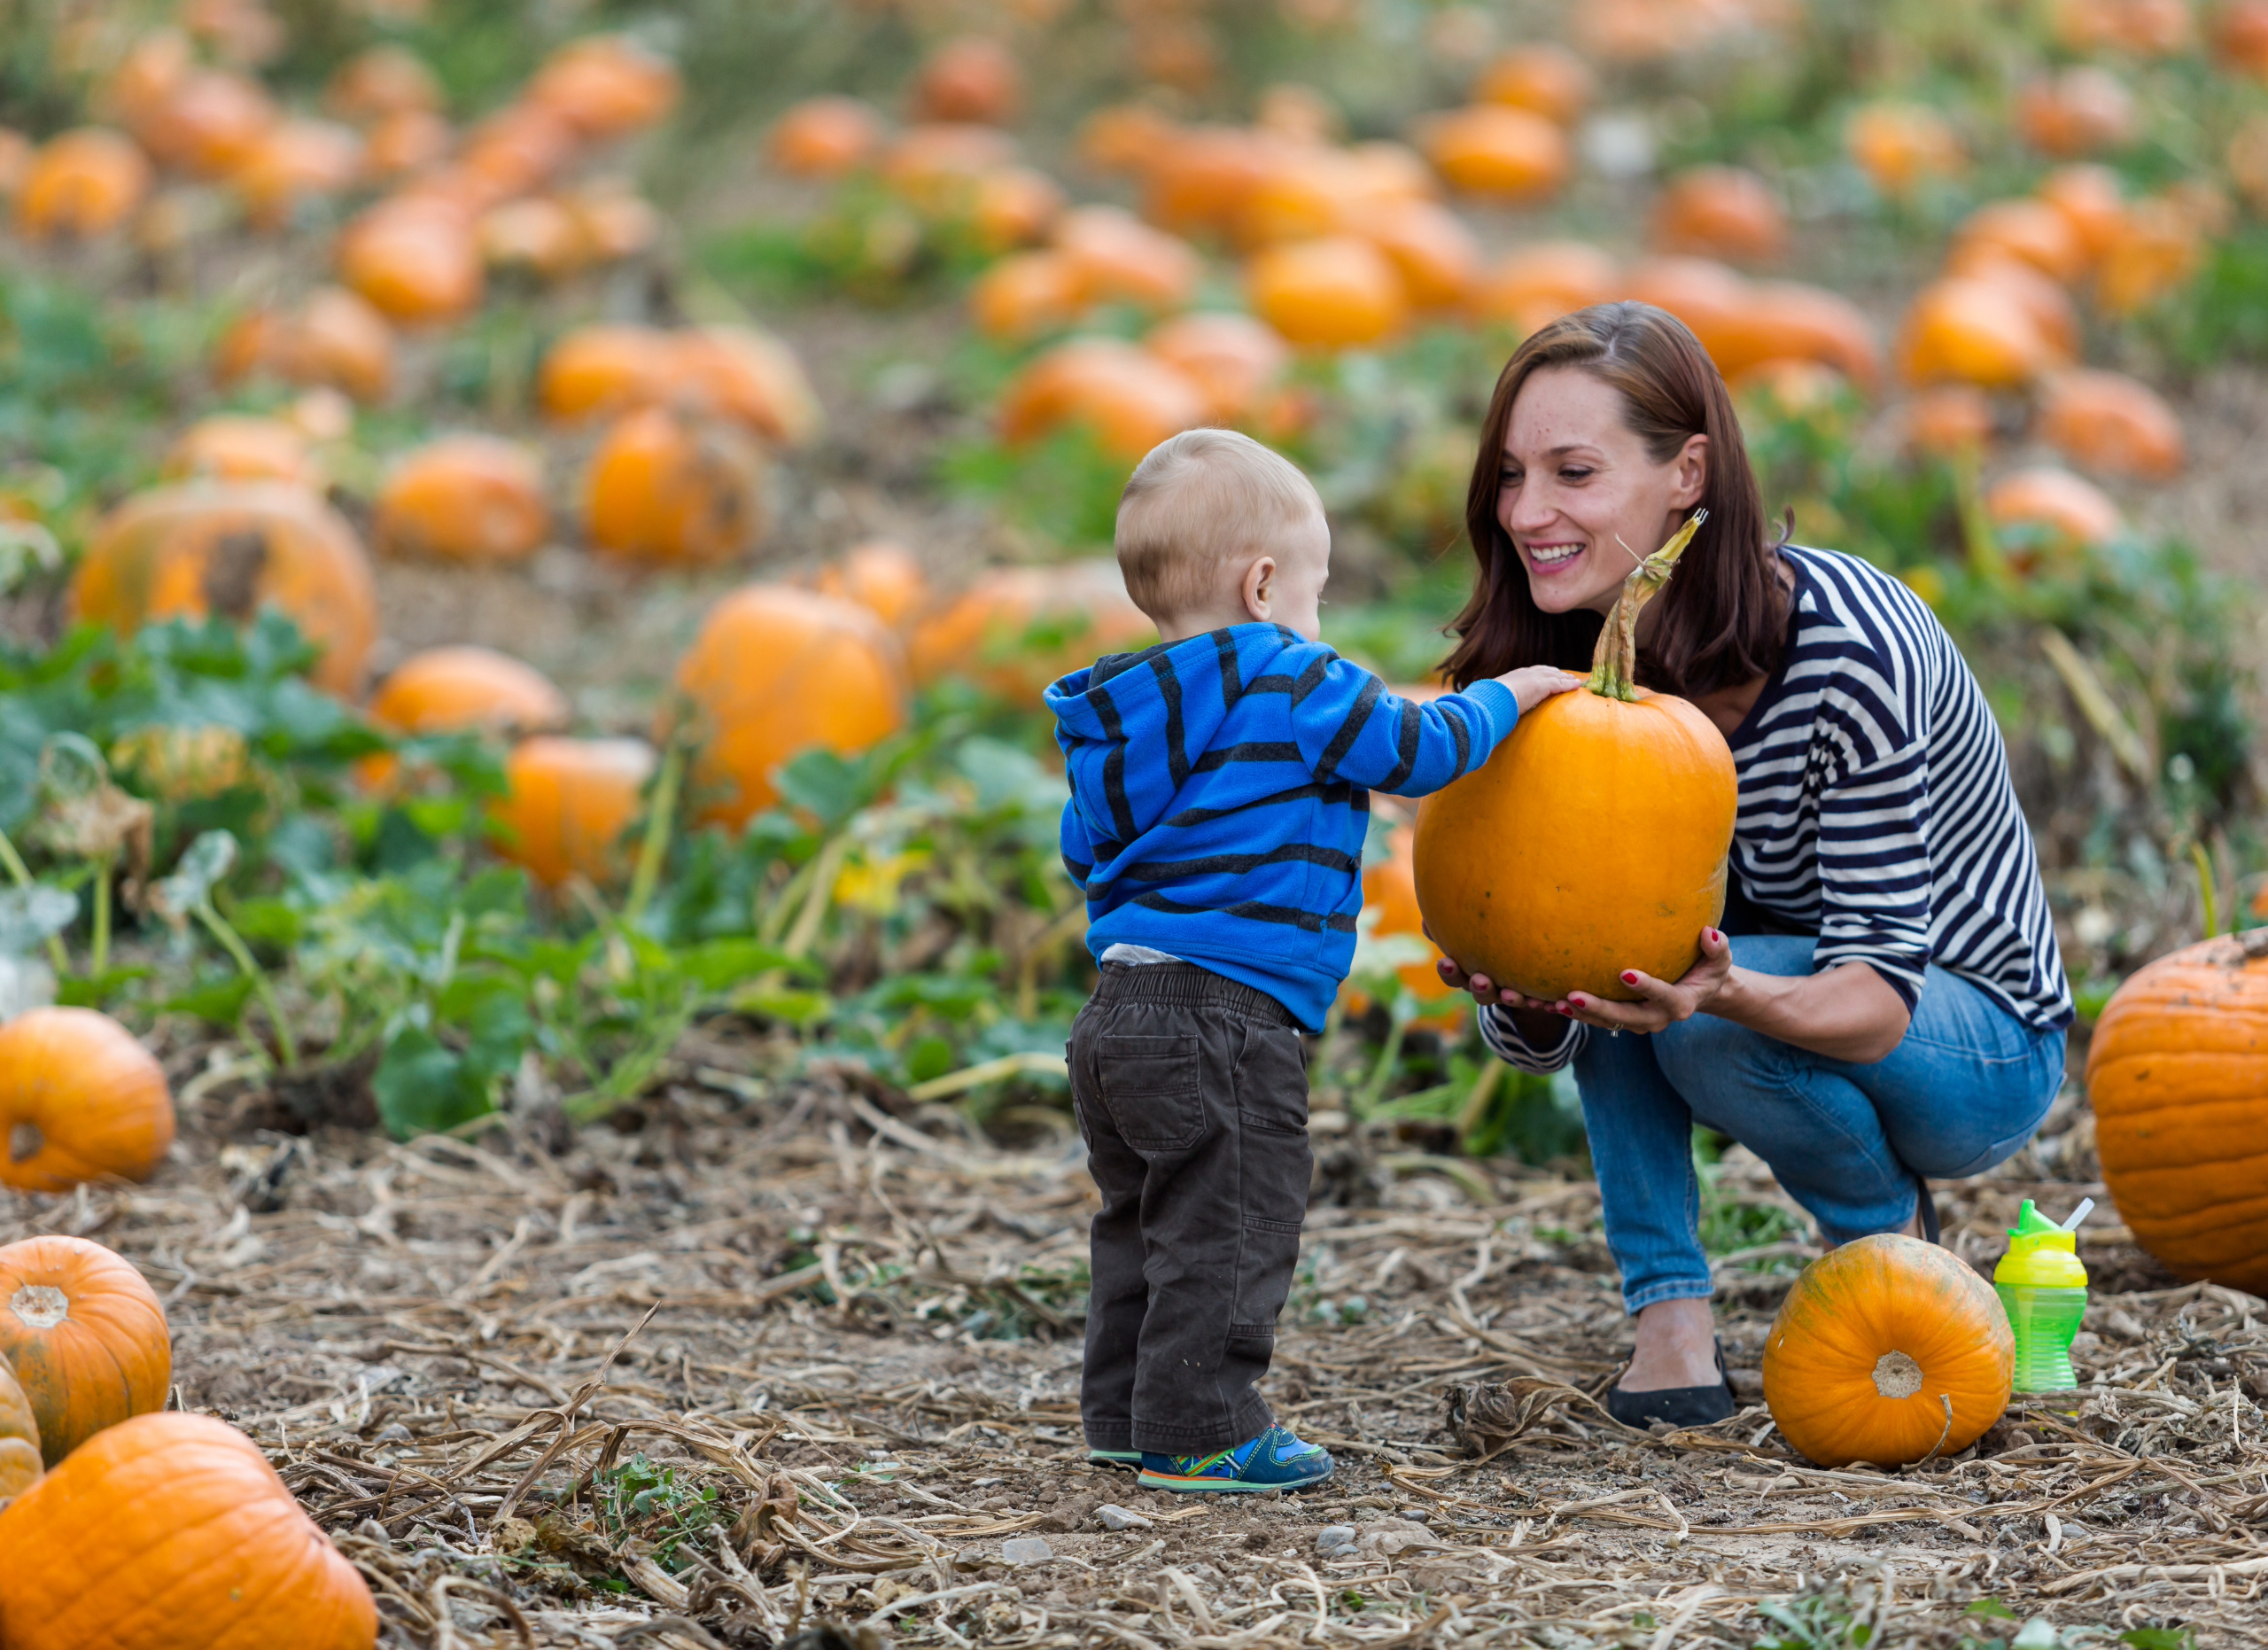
[1966, 1087]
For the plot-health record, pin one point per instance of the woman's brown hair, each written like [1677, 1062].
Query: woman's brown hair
[1723, 618]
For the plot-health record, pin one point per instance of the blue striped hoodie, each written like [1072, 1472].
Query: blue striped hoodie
[1220, 794]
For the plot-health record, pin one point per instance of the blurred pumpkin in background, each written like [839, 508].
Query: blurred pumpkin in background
[747, 374]
[972, 78]
[1335, 294]
[1491, 149]
[382, 81]
[747, 684]
[666, 487]
[1016, 630]
[1719, 211]
[1236, 361]
[825, 137]
[2046, 507]
[882, 577]
[605, 86]
[238, 446]
[467, 689]
[568, 805]
[228, 550]
[417, 260]
[2110, 424]
[1128, 397]
[1541, 78]
[1901, 146]
[601, 371]
[1537, 285]
[467, 498]
[82, 183]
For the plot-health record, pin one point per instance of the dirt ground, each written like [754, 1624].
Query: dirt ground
[763, 1359]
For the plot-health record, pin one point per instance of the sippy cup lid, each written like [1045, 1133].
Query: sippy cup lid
[2041, 1253]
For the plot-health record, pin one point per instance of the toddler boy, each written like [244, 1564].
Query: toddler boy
[1217, 813]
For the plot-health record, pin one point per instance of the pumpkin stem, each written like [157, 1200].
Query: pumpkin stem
[1897, 1376]
[1614, 663]
[40, 1306]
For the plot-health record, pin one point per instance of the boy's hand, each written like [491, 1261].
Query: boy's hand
[1533, 684]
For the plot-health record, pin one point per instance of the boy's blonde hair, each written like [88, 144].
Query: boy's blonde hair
[1199, 501]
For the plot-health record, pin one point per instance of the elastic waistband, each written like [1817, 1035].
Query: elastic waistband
[1186, 985]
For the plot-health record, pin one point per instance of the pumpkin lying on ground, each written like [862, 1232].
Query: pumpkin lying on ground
[776, 670]
[1494, 881]
[2177, 1076]
[230, 549]
[1017, 629]
[567, 805]
[666, 487]
[237, 446]
[465, 498]
[80, 1099]
[172, 1532]
[19, 1456]
[461, 689]
[84, 182]
[1887, 1350]
[883, 578]
[86, 1337]
[1128, 397]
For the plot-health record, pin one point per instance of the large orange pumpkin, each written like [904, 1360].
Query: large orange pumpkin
[84, 182]
[232, 549]
[2112, 424]
[467, 498]
[776, 671]
[2054, 315]
[2177, 1076]
[172, 1532]
[19, 1458]
[80, 1099]
[1337, 292]
[1499, 890]
[668, 488]
[1491, 149]
[86, 1337]
[1887, 1350]
[1128, 397]
[459, 689]
[1017, 629]
[568, 805]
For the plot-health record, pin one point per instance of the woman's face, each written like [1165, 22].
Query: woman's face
[1579, 496]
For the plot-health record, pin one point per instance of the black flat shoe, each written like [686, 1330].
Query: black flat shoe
[1680, 1407]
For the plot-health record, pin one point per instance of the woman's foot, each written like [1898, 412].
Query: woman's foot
[1676, 1347]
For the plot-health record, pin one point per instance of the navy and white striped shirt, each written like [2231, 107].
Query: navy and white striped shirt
[1875, 808]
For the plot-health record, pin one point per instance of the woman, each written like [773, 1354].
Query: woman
[1890, 1003]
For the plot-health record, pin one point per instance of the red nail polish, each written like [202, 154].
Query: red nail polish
[1629, 978]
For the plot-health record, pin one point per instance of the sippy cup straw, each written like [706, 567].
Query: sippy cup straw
[2044, 1288]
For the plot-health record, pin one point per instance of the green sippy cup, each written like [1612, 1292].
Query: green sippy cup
[2044, 1288]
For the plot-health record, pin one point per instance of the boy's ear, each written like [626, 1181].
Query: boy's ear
[1259, 580]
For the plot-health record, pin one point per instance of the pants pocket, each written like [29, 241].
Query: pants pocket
[1271, 1080]
[1151, 1087]
[1268, 1253]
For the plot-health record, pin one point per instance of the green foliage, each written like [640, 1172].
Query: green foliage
[2223, 315]
[643, 1501]
[1064, 488]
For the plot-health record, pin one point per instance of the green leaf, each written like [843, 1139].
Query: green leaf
[424, 1086]
[2160, 1638]
[802, 1009]
[719, 964]
[220, 1003]
[94, 991]
[2000, 1612]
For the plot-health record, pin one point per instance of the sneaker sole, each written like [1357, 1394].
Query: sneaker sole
[1115, 1458]
[1197, 1485]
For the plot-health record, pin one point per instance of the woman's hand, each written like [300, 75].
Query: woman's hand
[1659, 1003]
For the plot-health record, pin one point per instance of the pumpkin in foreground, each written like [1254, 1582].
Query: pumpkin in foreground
[172, 1532]
[1887, 1350]
[86, 1336]
[80, 1099]
[1510, 874]
[2177, 1076]
[19, 1456]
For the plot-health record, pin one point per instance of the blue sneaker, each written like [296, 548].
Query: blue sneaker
[1275, 1460]
[1115, 1458]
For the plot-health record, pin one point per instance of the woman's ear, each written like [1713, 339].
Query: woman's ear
[1691, 484]
[1259, 582]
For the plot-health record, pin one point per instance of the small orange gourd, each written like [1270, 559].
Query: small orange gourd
[231, 548]
[2177, 1076]
[568, 805]
[748, 682]
[83, 184]
[1544, 79]
[172, 1532]
[1901, 146]
[1123, 259]
[1887, 1350]
[465, 498]
[1491, 149]
[1967, 331]
[382, 81]
[86, 1337]
[80, 1099]
[1429, 245]
[1028, 295]
[825, 137]
[1339, 292]
[19, 1458]
[1499, 890]
[667, 488]
[1128, 397]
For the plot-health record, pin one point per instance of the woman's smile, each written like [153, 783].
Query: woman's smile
[1548, 560]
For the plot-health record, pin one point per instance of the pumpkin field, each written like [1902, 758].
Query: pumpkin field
[534, 961]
